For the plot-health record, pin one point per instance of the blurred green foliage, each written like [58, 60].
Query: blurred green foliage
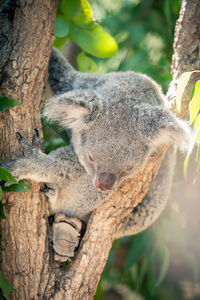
[138, 267]
[75, 21]
[144, 32]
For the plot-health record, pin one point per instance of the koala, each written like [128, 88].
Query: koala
[118, 120]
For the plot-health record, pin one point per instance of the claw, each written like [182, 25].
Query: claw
[37, 134]
[24, 143]
[36, 139]
[19, 136]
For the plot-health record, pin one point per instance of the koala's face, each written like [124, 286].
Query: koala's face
[113, 140]
[110, 149]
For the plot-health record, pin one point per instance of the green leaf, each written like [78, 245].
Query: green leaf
[197, 122]
[86, 8]
[59, 42]
[196, 127]
[195, 140]
[83, 21]
[194, 105]
[186, 163]
[70, 8]
[182, 83]
[2, 216]
[136, 250]
[142, 243]
[94, 40]
[6, 103]
[75, 7]
[21, 186]
[6, 176]
[198, 158]
[61, 27]
[99, 292]
[5, 286]
[142, 270]
[164, 261]
[86, 64]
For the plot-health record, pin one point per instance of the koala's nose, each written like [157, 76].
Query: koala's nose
[105, 181]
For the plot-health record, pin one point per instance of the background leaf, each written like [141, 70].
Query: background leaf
[164, 264]
[86, 8]
[86, 64]
[61, 27]
[182, 83]
[2, 215]
[70, 8]
[197, 122]
[94, 41]
[142, 244]
[6, 176]
[59, 42]
[194, 105]
[21, 186]
[5, 286]
[6, 103]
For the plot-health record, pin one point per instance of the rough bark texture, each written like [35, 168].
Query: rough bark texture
[186, 51]
[25, 256]
[24, 244]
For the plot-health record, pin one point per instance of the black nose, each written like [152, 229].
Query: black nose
[105, 181]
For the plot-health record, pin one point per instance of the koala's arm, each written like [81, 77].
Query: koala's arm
[61, 73]
[58, 167]
[152, 205]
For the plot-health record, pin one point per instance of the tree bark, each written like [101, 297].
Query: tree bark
[186, 52]
[26, 253]
[25, 245]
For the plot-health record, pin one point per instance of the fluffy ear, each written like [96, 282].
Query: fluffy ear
[70, 109]
[160, 126]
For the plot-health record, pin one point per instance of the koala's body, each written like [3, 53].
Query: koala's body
[118, 120]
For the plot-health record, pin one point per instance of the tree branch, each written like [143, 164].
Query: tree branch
[80, 280]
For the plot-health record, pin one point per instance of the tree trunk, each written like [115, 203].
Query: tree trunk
[25, 256]
[26, 252]
[186, 52]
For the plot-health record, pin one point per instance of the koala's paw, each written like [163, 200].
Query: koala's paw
[36, 143]
[66, 236]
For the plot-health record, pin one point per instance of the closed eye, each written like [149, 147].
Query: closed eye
[90, 158]
[127, 170]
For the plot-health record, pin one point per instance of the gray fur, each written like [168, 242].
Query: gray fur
[118, 120]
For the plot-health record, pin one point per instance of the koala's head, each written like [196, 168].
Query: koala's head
[113, 140]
